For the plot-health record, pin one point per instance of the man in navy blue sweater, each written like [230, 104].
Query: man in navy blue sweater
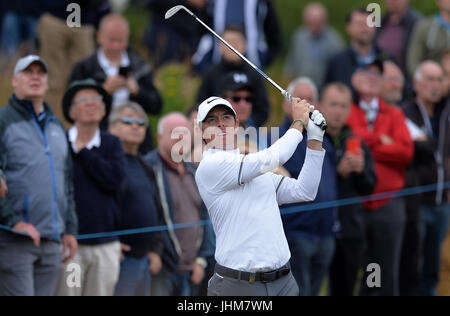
[310, 234]
[347, 172]
[140, 205]
[98, 160]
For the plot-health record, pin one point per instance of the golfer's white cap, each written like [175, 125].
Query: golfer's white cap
[26, 61]
[210, 104]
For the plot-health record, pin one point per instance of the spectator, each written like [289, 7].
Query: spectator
[313, 45]
[310, 235]
[36, 162]
[98, 175]
[431, 38]
[393, 83]
[140, 205]
[19, 25]
[362, 50]
[409, 278]
[355, 178]
[396, 29]
[383, 129]
[121, 71]
[261, 28]
[238, 91]
[431, 132]
[232, 63]
[63, 46]
[175, 40]
[187, 249]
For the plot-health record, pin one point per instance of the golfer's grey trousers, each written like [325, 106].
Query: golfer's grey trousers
[224, 286]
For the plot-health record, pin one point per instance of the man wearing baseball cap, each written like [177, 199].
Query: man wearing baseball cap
[237, 89]
[38, 213]
[243, 198]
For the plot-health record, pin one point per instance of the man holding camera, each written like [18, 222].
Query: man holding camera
[121, 71]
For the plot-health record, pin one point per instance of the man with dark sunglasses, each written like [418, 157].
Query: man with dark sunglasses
[98, 172]
[237, 89]
[140, 205]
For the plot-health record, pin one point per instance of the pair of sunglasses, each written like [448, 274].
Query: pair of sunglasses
[239, 99]
[130, 121]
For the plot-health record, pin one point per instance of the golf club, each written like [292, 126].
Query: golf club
[286, 94]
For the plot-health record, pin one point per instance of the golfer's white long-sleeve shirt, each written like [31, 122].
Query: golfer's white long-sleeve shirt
[243, 198]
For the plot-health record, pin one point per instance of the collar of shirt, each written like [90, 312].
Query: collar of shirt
[96, 141]
[371, 109]
[108, 67]
[364, 60]
[442, 22]
[121, 95]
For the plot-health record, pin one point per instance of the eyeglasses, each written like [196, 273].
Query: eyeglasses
[95, 98]
[239, 99]
[130, 121]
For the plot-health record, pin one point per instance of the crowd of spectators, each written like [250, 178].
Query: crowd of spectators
[385, 96]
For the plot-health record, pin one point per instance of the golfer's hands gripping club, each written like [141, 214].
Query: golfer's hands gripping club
[305, 116]
[314, 131]
[300, 113]
[290, 98]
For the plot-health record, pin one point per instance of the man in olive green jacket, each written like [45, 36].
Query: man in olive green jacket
[431, 38]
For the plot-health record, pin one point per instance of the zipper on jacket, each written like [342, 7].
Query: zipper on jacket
[52, 170]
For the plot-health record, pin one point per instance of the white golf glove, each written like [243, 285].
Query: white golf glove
[313, 130]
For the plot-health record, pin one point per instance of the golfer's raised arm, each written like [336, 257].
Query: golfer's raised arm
[254, 165]
[257, 164]
[222, 170]
[305, 188]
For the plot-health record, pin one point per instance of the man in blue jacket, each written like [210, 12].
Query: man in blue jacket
[36, 163]
[187, 250]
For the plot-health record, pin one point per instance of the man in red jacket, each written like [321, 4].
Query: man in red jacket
[383, 128]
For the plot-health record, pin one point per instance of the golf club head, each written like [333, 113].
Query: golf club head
[171, 12]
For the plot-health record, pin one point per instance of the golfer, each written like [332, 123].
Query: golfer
[243, 198]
